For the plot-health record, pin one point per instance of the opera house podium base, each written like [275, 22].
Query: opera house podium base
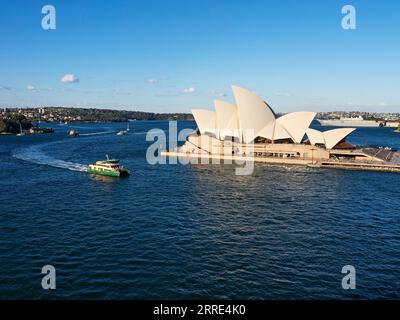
[385, 167]
[355, 160]
[196, 159]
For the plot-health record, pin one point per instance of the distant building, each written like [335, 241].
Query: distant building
[392, 124]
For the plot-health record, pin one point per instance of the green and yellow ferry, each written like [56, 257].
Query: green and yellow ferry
[109, 167]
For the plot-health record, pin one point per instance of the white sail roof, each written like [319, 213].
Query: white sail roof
[274, 131]
[330, 138]
[227, 119]
[280, 132]
[296, 124]
[315, 136]
[252, 117]
[334, 136]
[206, 120]
[254, 114]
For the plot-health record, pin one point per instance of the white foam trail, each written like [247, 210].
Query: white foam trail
[96, 133]
[35, 154]
[79, 127]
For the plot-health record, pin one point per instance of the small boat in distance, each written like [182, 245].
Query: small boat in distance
[73, 133]
[124, 132]
[108, 167]
[21, 133]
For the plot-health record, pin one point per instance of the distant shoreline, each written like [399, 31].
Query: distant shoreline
[34, 128]
[64, 114]
[21, 126]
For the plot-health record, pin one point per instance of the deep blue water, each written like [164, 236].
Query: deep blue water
[174, 231]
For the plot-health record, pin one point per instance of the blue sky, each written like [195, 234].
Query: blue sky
[174, 55]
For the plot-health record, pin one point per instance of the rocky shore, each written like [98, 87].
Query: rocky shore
[11, 126]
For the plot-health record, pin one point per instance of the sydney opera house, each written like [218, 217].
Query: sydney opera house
[250, 129]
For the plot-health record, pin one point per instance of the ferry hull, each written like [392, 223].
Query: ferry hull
[108, 173]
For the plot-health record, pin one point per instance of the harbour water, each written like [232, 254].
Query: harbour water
[185, 232]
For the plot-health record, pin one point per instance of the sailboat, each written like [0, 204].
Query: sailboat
[21, 133]
[124, 132]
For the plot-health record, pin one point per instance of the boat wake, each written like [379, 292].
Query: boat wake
[35, 154]
[96, 133]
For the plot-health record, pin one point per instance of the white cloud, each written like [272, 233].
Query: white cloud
[30, 88]
[152, 81]
[70, 78]
[189, 90]
[382, 104]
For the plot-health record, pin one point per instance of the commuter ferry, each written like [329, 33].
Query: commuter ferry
[108, 167]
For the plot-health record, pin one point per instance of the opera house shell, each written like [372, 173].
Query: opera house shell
[252, 114]
[251, 124]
